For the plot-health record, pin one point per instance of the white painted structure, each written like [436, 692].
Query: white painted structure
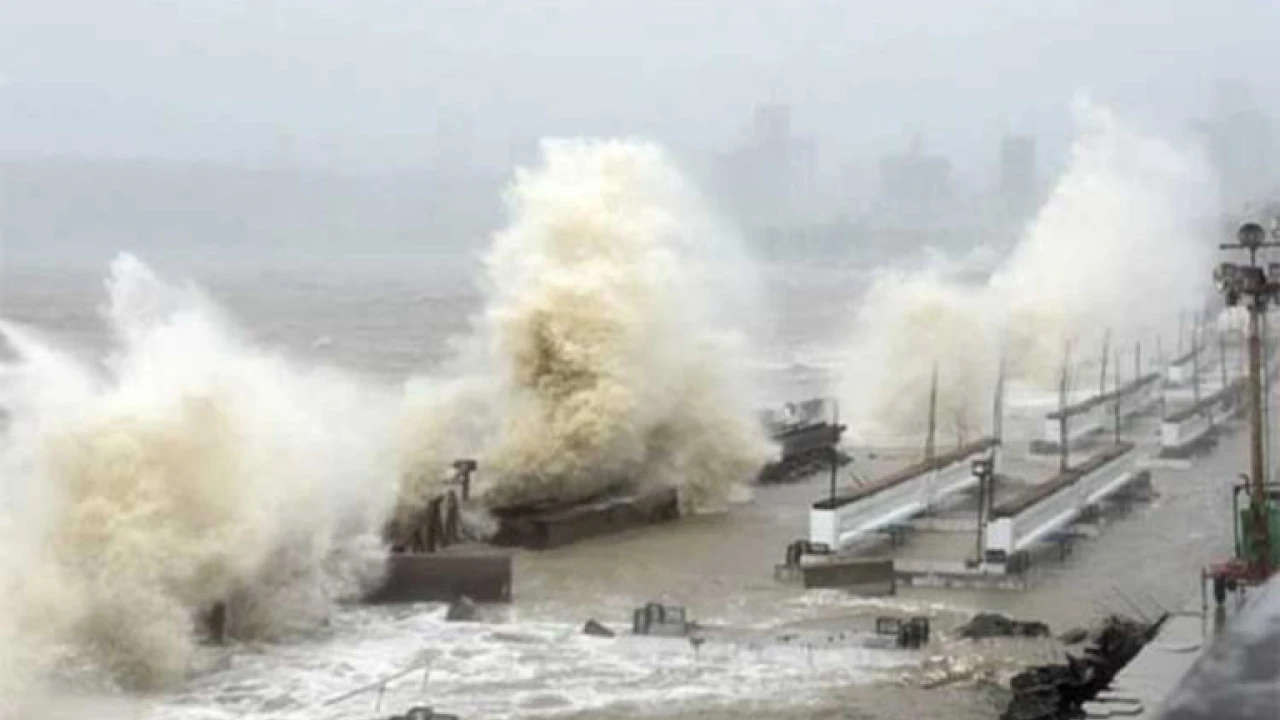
[1181, 370]
[843, 522]
[1180, 431]
[1020, 531]
[1141, 398]
[1082, 421]
[1178, 436]
[1098, 413]
[1180, 374]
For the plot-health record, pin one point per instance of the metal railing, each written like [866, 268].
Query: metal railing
[380, 686]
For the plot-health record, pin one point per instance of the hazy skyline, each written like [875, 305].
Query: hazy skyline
[362, 84]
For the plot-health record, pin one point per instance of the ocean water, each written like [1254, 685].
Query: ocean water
[529, 660]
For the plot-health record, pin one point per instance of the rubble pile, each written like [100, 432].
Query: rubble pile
[597, 629]
[990, 625]
[1057, 692]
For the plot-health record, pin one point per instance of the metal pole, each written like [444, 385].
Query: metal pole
[835, 446]
[987, 469]
[982, 504]
[1267, 354]
[1182, 321]
[1164, 376]
[1102, 372]
[1195, 365]
[997, 416]
[1062, 412]
[1259, 530]
[1244, 357]
[997, 431]
[1118, 397]
[1222, 357]
[933, 413]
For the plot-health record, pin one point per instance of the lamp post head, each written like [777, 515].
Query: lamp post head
[1251, 235]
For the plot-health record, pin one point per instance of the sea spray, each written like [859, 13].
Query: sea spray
[1123, 242]
[610, 351]
[188, 468]
[912, 323]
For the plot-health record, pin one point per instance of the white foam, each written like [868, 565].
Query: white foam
[606, 352]
[1119, 245]
[189, 468]
[508, 670]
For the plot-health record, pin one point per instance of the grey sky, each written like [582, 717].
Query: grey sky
[361, 82]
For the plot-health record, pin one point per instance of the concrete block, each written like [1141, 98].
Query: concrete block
[482, 574]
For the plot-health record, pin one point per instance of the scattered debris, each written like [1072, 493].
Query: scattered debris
[909, 634]
[461, 610]
[989, 625]
[596, 629]
[660, 620]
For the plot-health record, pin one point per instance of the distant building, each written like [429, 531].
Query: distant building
[915, 189]
[772, 125]
[769, 179]
[1017, 182]
[1240, 141]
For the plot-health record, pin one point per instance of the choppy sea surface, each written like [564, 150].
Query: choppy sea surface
[530, 660]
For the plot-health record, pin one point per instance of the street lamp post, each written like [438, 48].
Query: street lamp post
[1251, 283]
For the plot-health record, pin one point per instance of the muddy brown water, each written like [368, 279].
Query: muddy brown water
[720, 566]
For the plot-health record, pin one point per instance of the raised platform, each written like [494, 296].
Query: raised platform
[1182, 368]
[478, 572]
[1093, 416]
[1192, 429]
[841, 521]
[863, 576]
[543, 529]
[956, 575]
[1045, 509]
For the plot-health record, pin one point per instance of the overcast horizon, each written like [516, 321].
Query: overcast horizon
[364, 84]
